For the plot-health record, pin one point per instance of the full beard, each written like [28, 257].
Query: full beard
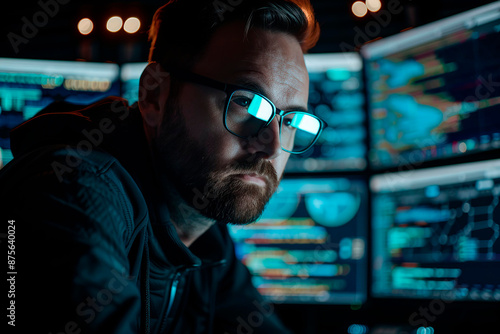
[213, 189]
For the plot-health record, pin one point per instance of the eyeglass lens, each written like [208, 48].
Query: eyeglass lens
[248, 112]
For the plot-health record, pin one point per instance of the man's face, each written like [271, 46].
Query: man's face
[225, 177]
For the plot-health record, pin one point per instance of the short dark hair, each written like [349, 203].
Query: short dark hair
[181, 29]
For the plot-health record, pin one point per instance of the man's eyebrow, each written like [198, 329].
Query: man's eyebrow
[252, 85]
[256, 87]
[296, 108]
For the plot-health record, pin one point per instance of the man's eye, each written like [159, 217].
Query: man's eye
[242, 101]
[287, 121]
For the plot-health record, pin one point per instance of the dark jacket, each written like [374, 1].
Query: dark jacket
[95, 248]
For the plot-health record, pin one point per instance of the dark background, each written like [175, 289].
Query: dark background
[60, 40]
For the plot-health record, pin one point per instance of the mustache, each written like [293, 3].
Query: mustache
[257, 166]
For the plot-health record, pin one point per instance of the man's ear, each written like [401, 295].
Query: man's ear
[154, 88]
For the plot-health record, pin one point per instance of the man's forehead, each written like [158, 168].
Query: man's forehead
[231, 46]
[273, 58]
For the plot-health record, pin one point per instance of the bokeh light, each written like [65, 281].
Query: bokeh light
[359, 8]
[85, 26]
[132, 25]
[114, 23]
[373, 5]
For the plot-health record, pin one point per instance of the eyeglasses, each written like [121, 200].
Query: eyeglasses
[247, 112]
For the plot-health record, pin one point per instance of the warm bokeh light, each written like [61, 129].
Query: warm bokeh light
[114, 23]
[85, 26]
[373, 5]
[359, 9]
[132, 24]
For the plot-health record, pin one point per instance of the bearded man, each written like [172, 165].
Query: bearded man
[122, 211]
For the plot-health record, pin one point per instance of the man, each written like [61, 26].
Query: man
[121, 211]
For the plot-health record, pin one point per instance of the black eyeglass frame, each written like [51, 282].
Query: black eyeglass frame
[229, 89]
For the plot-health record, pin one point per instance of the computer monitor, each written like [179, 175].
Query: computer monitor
[29, 85]
[434, 91]
[309, 246]
[435, 232]
[335, 94]
[130, 75]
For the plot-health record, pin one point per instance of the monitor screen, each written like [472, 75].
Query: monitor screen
[434, 91]
[435, 232]
[29, 85]
[130, 75]
[309, 246]
[336, 95]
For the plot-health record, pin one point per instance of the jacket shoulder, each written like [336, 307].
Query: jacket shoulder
[94, 181]
[75, 227]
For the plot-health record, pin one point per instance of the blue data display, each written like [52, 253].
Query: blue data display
[28, 85]
[309, 246]
[436, 233]
[433, 91]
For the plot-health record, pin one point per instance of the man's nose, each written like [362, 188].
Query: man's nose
[267, 142]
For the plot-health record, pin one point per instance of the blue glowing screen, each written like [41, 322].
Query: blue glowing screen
[28, 85]
[309, 246]
[436, 232]
[434, 91]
